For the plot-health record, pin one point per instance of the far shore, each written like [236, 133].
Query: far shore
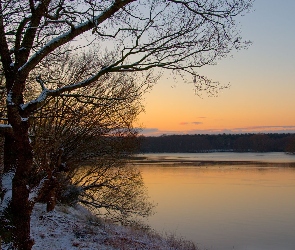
[145, 160]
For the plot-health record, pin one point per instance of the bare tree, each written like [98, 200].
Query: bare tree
[131, 35]
[114, 190]
[69, 131]
[85, 159]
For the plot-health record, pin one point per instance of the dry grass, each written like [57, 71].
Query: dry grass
[134, 238]
[180, 243]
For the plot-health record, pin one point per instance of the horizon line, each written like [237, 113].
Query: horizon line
[249, 130]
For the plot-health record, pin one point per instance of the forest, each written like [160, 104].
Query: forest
[221, 142]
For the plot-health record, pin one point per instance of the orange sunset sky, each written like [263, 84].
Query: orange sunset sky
[261, 97]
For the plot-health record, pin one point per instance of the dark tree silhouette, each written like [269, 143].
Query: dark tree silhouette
[129, 35]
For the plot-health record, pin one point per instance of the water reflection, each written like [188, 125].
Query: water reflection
[225, 207]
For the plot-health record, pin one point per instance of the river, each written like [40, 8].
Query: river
[232, 205]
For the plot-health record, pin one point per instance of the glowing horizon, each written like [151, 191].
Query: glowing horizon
[262, 78]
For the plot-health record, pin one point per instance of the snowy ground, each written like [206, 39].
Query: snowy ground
[76, 228]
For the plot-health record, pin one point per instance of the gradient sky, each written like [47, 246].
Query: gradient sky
[261, 97]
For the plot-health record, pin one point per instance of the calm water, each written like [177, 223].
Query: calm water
[226, 207]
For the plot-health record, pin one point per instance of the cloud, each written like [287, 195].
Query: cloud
[188, 123]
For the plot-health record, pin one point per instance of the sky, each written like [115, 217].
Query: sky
[261, 96]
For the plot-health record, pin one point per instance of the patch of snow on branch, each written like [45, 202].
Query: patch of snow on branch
[37, 4]
[42, 97]
[5, 126]
[9, 98]
[24, 119]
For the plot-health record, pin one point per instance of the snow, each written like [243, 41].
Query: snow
[68, 228]
[76, 227]
[37, 3]
[42, 97]
[24, 119]
[9, 98]
[35, 191]
[5, 126]
[7, 188]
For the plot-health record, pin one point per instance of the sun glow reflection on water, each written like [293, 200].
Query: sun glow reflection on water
[225, 207]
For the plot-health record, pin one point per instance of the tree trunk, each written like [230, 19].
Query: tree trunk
[9, 153]
[51, 198]
[52, 172]
[20, 204]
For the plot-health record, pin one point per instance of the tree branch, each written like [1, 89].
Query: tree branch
[6, 129]
[30, 33]
[4, 50]
[68, 36]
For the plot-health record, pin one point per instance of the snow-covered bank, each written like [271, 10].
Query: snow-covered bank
[76, 228]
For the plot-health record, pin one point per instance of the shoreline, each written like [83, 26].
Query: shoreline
[142, 160]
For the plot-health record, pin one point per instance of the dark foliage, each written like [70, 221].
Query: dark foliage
[221, 142]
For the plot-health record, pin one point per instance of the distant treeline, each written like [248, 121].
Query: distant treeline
[221, 142]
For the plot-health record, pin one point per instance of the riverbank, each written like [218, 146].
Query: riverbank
[68, 228]
[216, 159]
